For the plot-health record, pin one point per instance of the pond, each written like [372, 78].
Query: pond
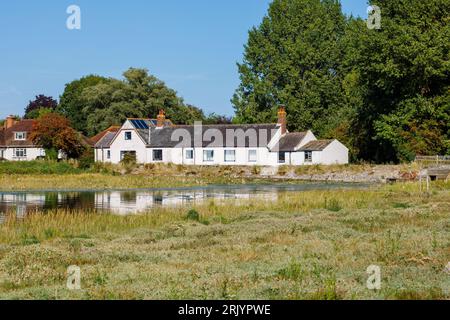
[140, 200]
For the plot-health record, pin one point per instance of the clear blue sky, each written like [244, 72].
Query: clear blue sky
[191, 45]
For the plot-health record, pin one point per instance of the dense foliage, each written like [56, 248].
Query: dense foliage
[384, 92]
[95, 103]
[40, 102]
[54, 133]
[37, 167]
[71, 102]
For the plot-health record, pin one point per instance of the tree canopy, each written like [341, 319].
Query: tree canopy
[384, 92]
[71, 103]
[40, 102]
[404, 69]
[95, 103]
[53, 132]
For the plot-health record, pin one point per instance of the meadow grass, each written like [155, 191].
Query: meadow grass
[48, 175]
[37, 167]
[305, 245]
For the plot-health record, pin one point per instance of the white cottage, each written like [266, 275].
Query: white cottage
[159, 141]
[15, 142]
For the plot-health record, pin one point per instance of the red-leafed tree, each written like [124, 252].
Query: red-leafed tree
[40, 102]
[53, 132]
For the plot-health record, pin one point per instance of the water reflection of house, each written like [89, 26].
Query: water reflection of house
[20, 203]
[140, 201]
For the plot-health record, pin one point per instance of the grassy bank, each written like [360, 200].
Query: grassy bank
[64, 175]
[309, 245]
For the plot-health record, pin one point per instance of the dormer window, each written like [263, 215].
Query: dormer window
[20, 136]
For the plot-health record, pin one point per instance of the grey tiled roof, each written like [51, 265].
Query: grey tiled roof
[254, 135]
[318, 145]
[105, 142]
[290, 142]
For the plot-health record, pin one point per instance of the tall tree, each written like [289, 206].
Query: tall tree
[404, 68]
[40, 102]
[139, 94]
[71, 102]
[295, 58]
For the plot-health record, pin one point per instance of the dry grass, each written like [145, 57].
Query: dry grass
[309, 245]
[107, 176]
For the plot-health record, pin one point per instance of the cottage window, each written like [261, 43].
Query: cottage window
[308, 156]
[108, 154]
[20, 136]
[208, 155]
[281, 157]
[20, 153]
[189, 154]
[252, 156]
[128, 135]
[157, 155]
[230, 155]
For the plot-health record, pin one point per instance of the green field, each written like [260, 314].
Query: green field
[308, 245]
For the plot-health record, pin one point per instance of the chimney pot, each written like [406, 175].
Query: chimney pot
[282, 119]
[161, 119]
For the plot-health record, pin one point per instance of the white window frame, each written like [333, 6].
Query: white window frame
[226, 154]
[126, 136]
[308, 156]
[108, 154]
[20, 136]
[22, 151]
[191, 153]
[255, 152]
[206, 158]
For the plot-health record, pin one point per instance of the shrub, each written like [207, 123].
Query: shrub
[37, 167]
[333, 205]
[193, 215]
[87, 159]
[256, 170]
[51, 154]
[149, 166]
[283, 170]
[129, 158]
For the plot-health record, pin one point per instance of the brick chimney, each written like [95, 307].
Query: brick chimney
[9, 122]
[282, 121]
[161, 119]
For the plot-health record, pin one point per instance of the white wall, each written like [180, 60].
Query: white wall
[101, 155]
[135, 144]
[32, 154]
[307, 139]
[335, 153]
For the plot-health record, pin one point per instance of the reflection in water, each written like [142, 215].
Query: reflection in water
[135, 201]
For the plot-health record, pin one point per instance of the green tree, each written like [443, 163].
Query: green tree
[71, 103]
[295, 58]
[404, 71]
[138, 95]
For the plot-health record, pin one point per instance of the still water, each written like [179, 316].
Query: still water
[135, 201]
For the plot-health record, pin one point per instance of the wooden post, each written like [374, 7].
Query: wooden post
[428, 183]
